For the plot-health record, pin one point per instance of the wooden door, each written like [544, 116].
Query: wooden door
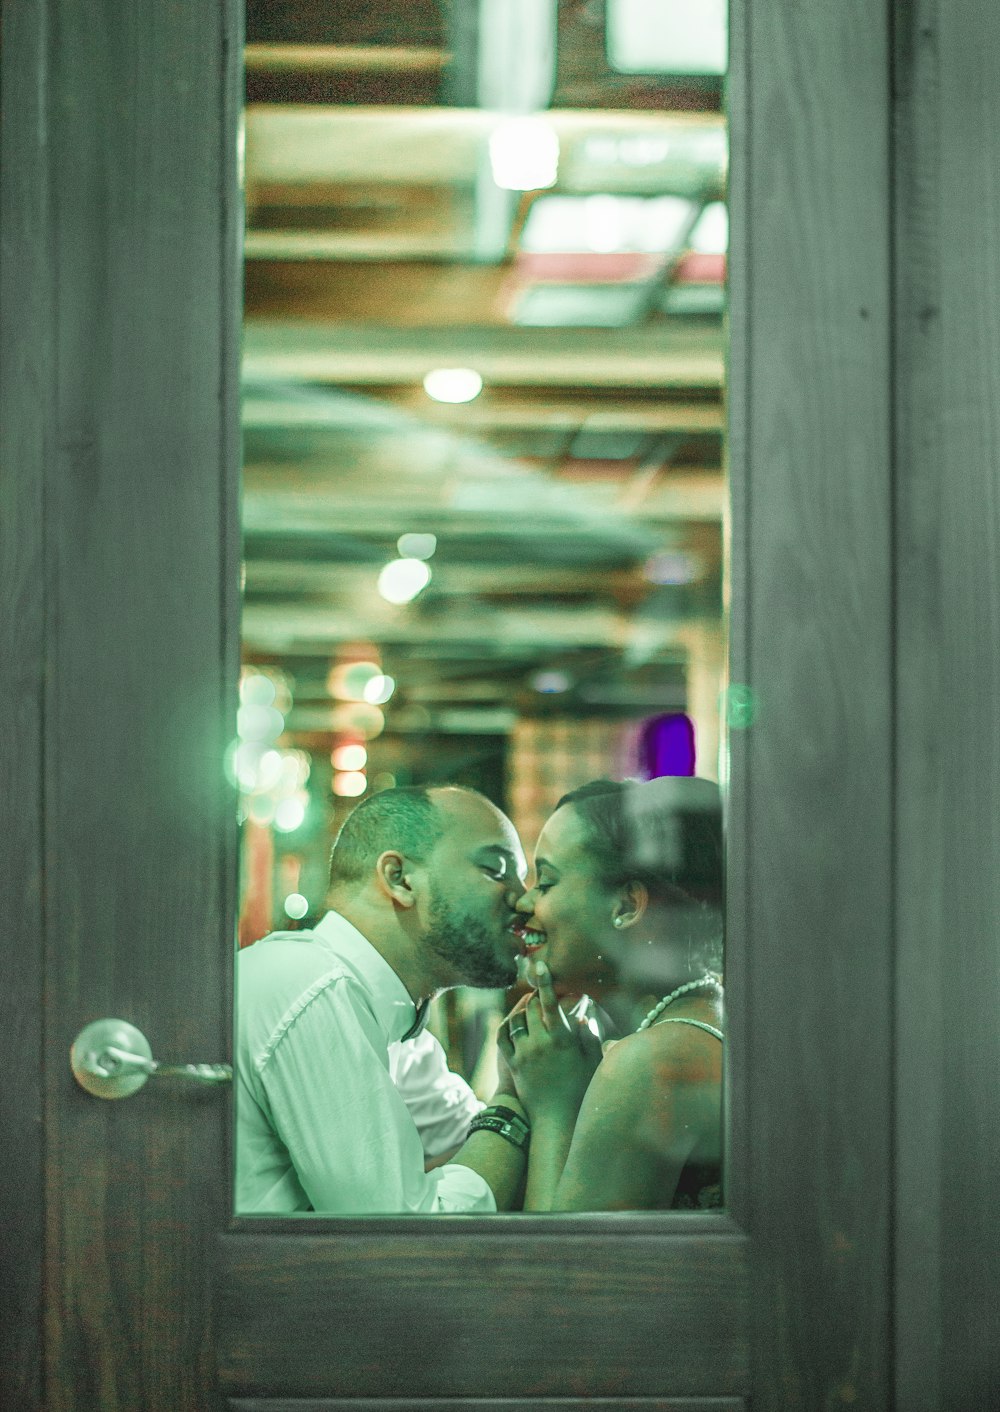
[129, 1282]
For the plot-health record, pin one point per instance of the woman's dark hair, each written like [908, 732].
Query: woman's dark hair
[665, 833]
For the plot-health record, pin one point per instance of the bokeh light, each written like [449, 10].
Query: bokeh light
[550, 683]
[349, 757]
[296, 906]
[257, 690]
[289, 814]
[416, 546]
[524, 154]
[379, 690]
[358, 718]
[348, 784]
[259, 723]
[453, 385]
[402, 579]
[347, 680]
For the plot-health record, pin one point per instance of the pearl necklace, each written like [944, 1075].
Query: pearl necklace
[706, 982]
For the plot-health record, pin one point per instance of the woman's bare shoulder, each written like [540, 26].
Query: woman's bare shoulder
[664, 1050]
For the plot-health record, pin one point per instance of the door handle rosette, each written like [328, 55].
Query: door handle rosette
[112, 1059]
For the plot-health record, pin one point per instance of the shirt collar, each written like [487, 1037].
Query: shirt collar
[393, 1006]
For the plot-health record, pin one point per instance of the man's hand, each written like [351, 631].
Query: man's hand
[551, 1057]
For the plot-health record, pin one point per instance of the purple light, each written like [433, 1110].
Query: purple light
[666, 746]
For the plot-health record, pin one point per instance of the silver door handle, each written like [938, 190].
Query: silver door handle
[112, 1059]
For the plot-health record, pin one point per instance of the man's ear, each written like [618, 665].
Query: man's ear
[393, 879]
[631, 904]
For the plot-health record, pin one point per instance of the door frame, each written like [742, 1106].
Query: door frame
[862, 1050]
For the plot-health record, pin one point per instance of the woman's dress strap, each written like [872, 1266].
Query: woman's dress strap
[699, 1024]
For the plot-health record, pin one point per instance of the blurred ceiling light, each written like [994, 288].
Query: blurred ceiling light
[296, 906]
[605, 226]
[348, 784]
[416, 546]
[379, 689]
[402, 579]
[524, 154]
[453, 384]
[670, 567]
[550, 683]
[604, 223]
[349, 757]
[710, 235]
[290, 814]
[670, 37]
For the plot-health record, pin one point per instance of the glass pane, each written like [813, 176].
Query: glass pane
[483, 502]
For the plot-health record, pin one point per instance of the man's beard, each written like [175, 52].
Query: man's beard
[466, 945]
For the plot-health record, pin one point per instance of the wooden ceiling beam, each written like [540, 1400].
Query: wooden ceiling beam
[329, 503]
[333, 579]
[649, 356]
[370, 246]
[317, 628]
[301, 143]
[509, 410]
[582, 414]
[344, 58]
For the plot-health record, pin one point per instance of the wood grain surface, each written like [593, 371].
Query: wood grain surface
[864, 889]
[486, 1314]
[25, 372]
[488, 1404]
[947, 503]
[809, 909]
[140, 583]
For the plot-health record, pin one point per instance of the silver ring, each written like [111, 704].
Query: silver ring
[521, 1029]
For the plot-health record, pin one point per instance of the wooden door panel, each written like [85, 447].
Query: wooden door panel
[25, 367]
[119, 557]
[809, 934]
[947, 510]
[487, 1404]
[504, 1309]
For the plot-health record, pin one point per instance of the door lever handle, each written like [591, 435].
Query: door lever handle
[112, 1059]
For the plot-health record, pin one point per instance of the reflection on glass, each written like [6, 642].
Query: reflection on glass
[483, 497]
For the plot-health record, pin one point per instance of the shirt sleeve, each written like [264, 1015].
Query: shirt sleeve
[332, 1102]
[440, 1102]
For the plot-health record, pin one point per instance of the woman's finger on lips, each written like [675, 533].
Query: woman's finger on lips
[552, 1016]
[519, 1006]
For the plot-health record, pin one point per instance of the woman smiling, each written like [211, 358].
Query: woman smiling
[627, 893]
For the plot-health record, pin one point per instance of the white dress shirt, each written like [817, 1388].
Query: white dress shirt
[320, 1124]
[440, 1102]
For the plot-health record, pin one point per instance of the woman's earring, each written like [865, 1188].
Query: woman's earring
[618, 922]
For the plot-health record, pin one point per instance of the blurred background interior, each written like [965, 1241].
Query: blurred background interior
[484, 469]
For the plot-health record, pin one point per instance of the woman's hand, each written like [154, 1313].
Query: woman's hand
[551, 1057]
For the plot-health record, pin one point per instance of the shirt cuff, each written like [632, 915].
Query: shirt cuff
[462, 1189]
